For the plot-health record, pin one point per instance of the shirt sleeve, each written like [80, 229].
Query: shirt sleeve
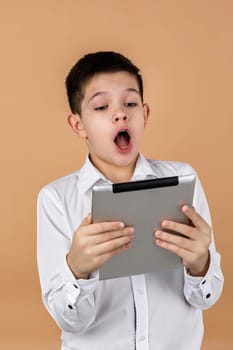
[69, 301]
[203, 292]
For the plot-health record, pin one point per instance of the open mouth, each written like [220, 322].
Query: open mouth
[122, 139]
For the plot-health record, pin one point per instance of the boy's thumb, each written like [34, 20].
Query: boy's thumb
[87, 220]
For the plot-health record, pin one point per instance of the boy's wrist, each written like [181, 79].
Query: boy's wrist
[76, 273]
[202, 272]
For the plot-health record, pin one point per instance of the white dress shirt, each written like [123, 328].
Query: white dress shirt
[155, 311]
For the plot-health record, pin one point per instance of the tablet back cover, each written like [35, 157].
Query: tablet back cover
[144, 209]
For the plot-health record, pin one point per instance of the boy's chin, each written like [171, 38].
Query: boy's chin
[126, 159]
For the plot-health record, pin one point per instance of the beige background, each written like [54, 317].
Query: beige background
[185, 51]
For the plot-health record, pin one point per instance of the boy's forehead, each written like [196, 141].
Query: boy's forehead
[110, 81]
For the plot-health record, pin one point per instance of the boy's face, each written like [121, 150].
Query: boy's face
[112, 121]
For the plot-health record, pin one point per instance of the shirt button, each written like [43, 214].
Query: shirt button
[142, 338]
[75, 286]
[70, 307]
[208, 295]
[203, 282]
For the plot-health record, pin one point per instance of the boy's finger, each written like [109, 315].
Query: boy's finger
[170, 239]
[196, 219]
[107, 256]
[87, 220]
[186, 230]
[110, 235]
[180, 251]
[101, 227]
[113, 246]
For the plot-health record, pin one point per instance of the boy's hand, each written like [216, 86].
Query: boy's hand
[94, 244]
[193, 250]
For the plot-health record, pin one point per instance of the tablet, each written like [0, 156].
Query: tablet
[143, 205]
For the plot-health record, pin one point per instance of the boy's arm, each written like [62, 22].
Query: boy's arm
[203, 276]
[61, 292]
[67, 294]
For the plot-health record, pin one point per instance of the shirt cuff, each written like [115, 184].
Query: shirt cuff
[76, 290]
[203, 284]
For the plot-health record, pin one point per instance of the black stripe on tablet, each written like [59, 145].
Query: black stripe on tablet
[145, 184]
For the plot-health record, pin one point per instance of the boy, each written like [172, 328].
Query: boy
[160, 310]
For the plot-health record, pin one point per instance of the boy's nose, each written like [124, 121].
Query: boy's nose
[120, 116]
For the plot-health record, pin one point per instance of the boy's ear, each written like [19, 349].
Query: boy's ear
[146, 111]
[76, 125]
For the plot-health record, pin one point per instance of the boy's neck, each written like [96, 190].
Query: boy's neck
[116, 173]
[120, 174]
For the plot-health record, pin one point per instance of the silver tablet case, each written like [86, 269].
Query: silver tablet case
[142, 204]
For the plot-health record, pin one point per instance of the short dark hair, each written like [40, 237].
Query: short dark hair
[94, 63]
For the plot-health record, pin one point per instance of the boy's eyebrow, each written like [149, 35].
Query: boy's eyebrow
[96, 94]
[134, 90]
[105, 92]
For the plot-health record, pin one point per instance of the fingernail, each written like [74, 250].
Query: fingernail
[121, 224]
[165, 223]
[158, 234]
[128, 245]
[185, 208]
[158, 242]
[131, 230]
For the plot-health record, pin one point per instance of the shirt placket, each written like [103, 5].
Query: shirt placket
[141, 312]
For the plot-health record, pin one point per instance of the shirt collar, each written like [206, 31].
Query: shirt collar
[89, 175]
[143, 169]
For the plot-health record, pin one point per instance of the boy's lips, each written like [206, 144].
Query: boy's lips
[123, 140]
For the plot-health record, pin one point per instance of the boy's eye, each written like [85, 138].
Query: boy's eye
[131, 104]
[101, 108]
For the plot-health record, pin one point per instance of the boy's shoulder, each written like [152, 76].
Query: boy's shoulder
[61, 186]
[166, 168]
[64, 180]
